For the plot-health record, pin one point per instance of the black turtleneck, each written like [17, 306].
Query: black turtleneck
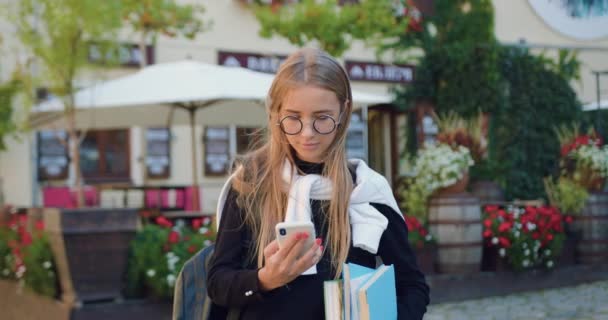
[231, 285]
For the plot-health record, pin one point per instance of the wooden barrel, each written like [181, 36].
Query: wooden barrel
[592, 224]
[488, 192]
[455, 221]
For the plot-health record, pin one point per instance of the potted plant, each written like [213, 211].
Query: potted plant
[423, 244]
[524, 237]
[159, 251]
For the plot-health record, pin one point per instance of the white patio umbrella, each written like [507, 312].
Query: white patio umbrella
[188, 85]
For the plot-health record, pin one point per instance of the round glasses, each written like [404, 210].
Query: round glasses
[292, 125]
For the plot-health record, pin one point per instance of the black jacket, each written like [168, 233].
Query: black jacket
[230, 285]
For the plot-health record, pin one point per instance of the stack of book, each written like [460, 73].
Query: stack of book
[362, 294]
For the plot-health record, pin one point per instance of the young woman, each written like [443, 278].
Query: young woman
[301, 173]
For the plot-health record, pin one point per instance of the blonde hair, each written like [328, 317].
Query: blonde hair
[262, 192]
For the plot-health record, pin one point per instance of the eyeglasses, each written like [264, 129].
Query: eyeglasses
[292, 125]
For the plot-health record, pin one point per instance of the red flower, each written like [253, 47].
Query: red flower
[422, 232]
[536, 235]
[196, 223]
[487, 223]
[173, 237]
[491, 208]
[487, 233]
[504, 227]
[549, 237]
[39, 225]
[192, 249]
[569, 219]
[163, 222]
[504, 242]
[26, 239]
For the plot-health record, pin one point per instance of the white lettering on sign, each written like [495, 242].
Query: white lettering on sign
[232, 62]
[380, 72]
[263, 64]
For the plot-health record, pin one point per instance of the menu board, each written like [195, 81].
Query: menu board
[158, 153]
[355, 137]
[217, 151]
[53, 160]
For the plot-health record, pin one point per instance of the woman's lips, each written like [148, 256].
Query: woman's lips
[309, 146]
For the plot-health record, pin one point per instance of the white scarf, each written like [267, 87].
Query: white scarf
[367, 223]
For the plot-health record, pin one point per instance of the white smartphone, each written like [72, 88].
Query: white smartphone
[285, 229]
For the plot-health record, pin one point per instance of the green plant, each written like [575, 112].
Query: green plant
[527, 237]
[159, 252]
[536, 100]
[26, 255]
[436, 166]
[566, 195]
[418, 235]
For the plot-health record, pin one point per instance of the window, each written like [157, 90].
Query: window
[246, 139]
[105, 156]
[53, 160]
[217, 151]
[158, 153]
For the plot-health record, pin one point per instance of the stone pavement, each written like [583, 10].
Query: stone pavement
[582, 302]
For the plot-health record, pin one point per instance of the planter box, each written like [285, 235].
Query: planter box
[91, 248]
[426, 257]
[24, 304]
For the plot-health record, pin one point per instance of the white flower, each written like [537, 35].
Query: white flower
[6, 272]
[525, 263]
[203, 230]
[494, 240]
[46, 264]
[549, 264]
[516, 234]
[428, 237]
[151, 273]
[527, 252]
[207, 243]
[180, 223]
[20, 271]
[206, 221]
[502, 252]
[170, 280]
[548, 252]
[531, 226]
[525, 245]
[518, 225]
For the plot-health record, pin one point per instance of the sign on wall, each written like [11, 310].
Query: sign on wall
[357, 70]
[53, 158]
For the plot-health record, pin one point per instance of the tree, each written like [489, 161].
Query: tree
[333, 26]
[59, 33]
[150, 18]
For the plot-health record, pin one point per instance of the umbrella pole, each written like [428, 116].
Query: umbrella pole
[195, 187]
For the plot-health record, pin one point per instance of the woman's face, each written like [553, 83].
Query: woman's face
[302, 107]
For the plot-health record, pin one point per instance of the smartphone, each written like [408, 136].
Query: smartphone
[284, 230]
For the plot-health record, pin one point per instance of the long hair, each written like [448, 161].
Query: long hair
[259, 183]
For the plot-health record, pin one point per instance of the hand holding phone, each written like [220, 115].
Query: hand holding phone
[284, 230]
[294, 251]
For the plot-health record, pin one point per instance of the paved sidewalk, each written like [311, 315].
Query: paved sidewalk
[583, 302]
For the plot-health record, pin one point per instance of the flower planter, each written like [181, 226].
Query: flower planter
[592, 224]
[426, 257]
[455, 221]
[492, 261]
[91, 248]
[488, 192]
[459, 187]
[21, 303]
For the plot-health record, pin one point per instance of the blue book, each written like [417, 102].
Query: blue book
[353, 276]
[377, 296]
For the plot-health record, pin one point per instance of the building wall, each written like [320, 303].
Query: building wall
[235, 29]
[516, 20]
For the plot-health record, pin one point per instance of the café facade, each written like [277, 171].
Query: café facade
[141, 149]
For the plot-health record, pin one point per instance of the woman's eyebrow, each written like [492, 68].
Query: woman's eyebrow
[315, 112]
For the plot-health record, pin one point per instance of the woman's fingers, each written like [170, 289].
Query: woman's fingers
[288, 245]
[271, 249]
[310, 258]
